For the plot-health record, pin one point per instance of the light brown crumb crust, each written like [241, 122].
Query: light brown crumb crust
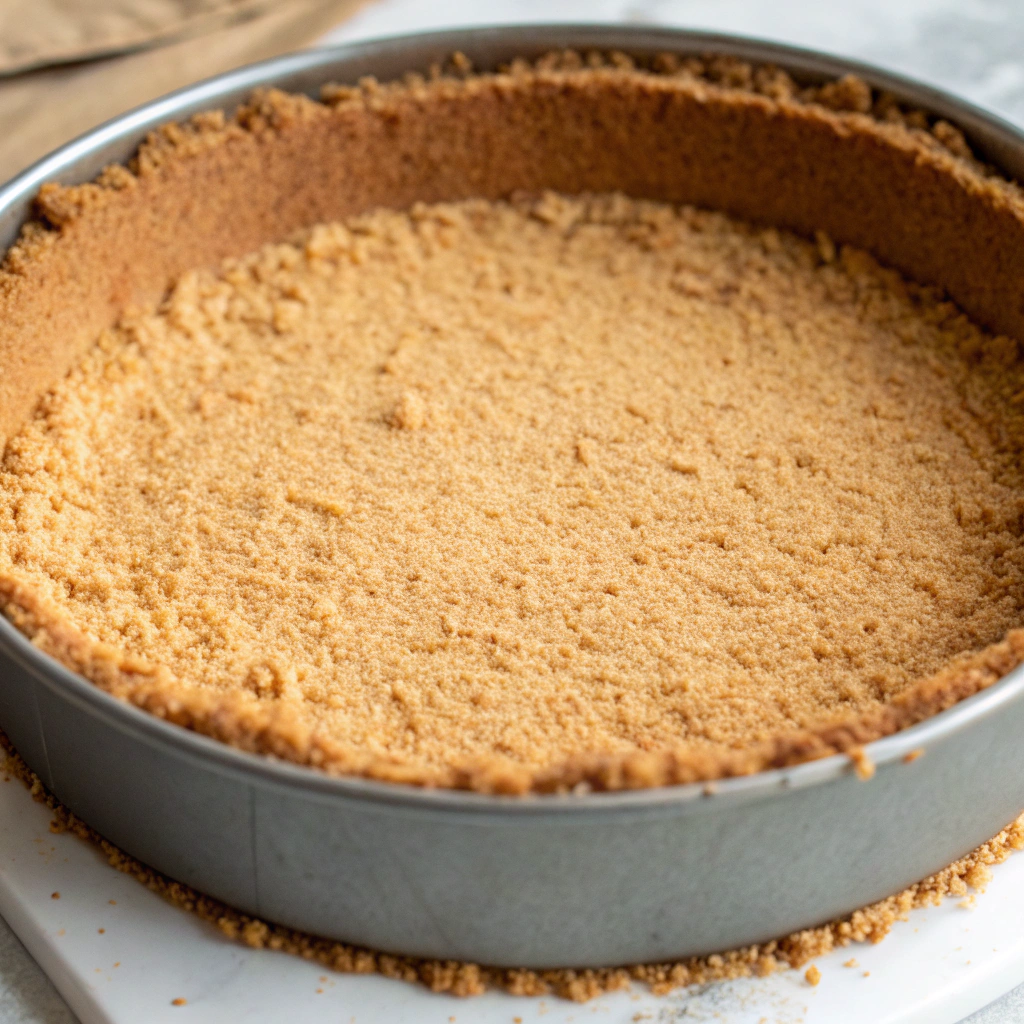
[661, 572]
[241, 721]
[871, 924]
[740, 108]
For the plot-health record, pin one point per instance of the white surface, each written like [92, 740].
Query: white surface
[973, 47]
[940, 965]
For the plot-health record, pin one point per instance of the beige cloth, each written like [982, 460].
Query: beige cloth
[181, 41]
[38, 32]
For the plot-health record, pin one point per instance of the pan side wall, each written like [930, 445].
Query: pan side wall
[602, 887]
[584, 887]
[785, 164]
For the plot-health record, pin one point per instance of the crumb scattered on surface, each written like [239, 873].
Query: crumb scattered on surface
[812, 975]
[852, 962]
[179, 1002]
[863, 766]
[54, 895]
[870, 924]
[911, 757]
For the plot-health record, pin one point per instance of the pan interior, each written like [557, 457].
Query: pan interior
[676, 479]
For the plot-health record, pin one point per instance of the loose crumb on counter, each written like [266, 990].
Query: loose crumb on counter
[870, 924]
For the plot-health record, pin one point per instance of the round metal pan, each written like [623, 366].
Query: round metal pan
[567, 881]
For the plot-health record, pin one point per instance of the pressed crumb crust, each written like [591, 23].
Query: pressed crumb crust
[755, 499]
[923, 396]
[486, 491]
[870, 924]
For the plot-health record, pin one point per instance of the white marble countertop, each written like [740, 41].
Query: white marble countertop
[971, 47]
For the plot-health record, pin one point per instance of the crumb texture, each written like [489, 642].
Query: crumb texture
[517, 482]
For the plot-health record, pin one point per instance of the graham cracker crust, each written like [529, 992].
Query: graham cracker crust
[567, 121]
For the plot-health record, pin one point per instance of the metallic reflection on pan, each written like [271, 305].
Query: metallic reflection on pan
[565, 881]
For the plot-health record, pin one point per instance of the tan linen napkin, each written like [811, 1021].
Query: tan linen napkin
[38, 32]
[41, 109]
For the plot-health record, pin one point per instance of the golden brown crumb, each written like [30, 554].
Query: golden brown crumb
[870, 924]
[912, 756]
[54, 895]
[505, 485]
[179, 1002]
[862, 763]
[101, 931]
[812, 975]
[850, 963]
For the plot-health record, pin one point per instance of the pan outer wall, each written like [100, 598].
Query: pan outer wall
[543, 882]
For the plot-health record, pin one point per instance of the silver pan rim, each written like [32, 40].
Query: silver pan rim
[81, 159]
